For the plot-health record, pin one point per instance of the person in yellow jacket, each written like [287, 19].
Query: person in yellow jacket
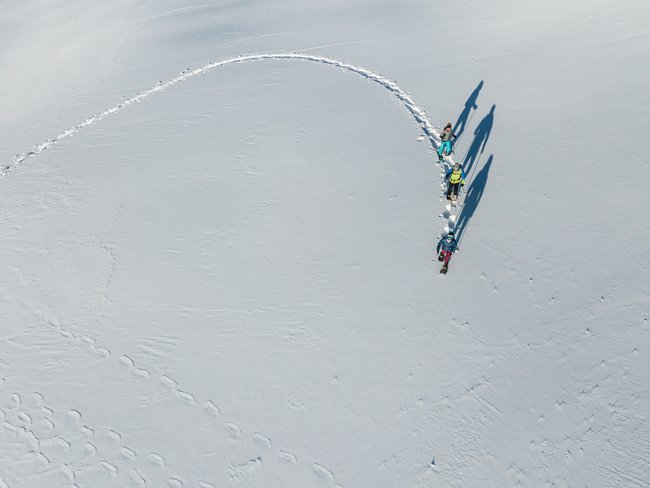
[455, 178]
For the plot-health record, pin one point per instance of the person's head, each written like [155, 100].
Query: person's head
[450, 235]
[448, 126]
[456, 166]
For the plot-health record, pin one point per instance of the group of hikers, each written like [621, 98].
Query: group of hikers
[455, 178]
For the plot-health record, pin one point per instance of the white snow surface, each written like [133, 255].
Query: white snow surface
[217, 257]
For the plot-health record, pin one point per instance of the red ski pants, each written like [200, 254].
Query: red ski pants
[447, 256]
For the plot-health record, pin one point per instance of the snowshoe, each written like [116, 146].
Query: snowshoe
[444, 269]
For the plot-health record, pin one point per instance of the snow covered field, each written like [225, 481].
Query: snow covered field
[217, 257]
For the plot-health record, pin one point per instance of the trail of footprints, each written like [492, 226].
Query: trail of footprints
[450, 214]
[403, 97]
[39, 433]
[46, 447]
[237, 472]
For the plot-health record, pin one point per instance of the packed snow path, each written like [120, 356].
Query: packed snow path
[416, 110]
[138, 471]
[409, 103]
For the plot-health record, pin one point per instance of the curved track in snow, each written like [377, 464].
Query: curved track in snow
[415, 109]
[405, 99]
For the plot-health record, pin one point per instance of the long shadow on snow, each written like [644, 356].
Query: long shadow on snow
[463, 118]
[472, 199]
[481, 136]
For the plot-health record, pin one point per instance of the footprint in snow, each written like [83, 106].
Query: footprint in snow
[323, 472]
[128, 453]
[203, 484]
[73, 416]
[167, 381]
[212, 408]
[287, 457]
[262, 440]
[114, 436]
[233, 429]
[186, 397]
[111, 468]
[126, 360]
[88, 432]
[142, 373]
[157, 459]
[89, 448]
[137, 478]
[24, 419]
[16, 400]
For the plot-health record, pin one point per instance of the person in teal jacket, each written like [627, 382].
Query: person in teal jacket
[445, 248]
[446, 136]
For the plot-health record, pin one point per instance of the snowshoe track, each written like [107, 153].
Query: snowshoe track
[124, 461]
[47, 446]
[405, 99]
[415, 109]
[206, 409]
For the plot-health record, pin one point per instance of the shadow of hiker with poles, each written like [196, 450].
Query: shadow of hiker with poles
[464, 119]
[472, 199]
[481, 136]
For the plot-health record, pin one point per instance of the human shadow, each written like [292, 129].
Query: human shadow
[463, 118]
[472, 199]
[481, 136]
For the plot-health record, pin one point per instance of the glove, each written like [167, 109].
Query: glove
[462, 183]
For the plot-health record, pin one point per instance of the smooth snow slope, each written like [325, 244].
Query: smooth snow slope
[231, 282]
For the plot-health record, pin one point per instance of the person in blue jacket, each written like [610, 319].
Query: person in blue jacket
[445, 248]
[455, 177]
